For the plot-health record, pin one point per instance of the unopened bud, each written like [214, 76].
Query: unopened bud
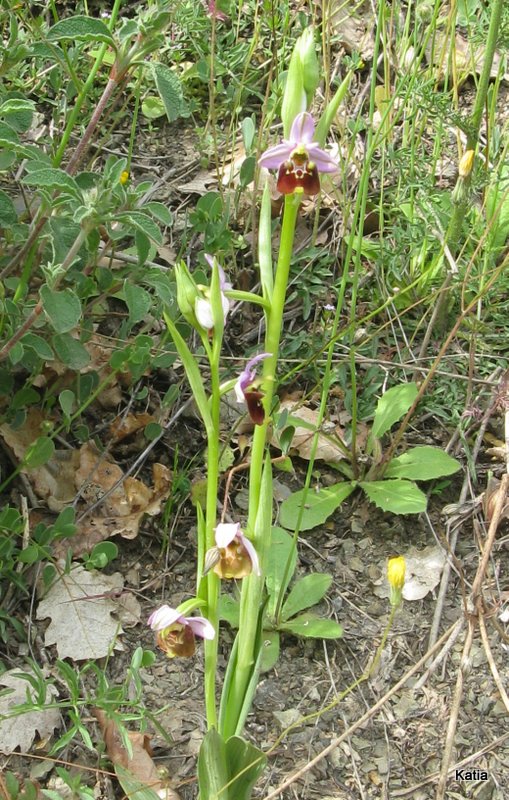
[396, 569]
[187, 292]
[466, 164]
[301, 81]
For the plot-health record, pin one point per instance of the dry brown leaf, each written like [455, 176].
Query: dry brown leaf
[140, 763]
[469, 60]
[202, 183]
[20, 730]
[122, 427]
[354, 24]
[302, 442]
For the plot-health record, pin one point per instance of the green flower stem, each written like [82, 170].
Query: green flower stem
[252, 587]
[462, 203]
[211, 581]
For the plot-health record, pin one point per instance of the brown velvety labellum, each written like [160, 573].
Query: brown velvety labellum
[253, 400]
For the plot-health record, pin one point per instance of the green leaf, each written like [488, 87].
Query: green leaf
[53, 178]
[398, 496]
[392, 406]
[8, 213]
[143, 223]
[309, 625]
[63, 309]
[306, 592]
[422, 464]
[212, 767]
[246, 761]
[143, 246]
[16, 104]
[270, 650]
[39, 452]
[81, 28]
[38, 345]
[138, 302]
[67, 400]
[318, 506]
[282, 548]
[153, 107]
[70, 351]
[170, 90]
[161, 212]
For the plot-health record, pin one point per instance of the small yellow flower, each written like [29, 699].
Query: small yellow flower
[466, 163]
[124, 177]
[396, 576]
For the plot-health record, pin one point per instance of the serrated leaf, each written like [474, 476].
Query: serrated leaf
[170, 90]
[53, 178]
[39, 452]
[392, 406]
[309, 625]
[70, 351]
[318, 506]
[422, 464]
[63, 309]
[81, 28]
[306, 592]
[138, 302]
[398, 496]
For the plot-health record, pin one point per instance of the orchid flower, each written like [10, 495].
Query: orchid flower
[234, 555]
[247, 391]
[203, 306]
[176, 633]
[299, 159]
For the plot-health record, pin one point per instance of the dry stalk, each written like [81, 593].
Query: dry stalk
[476, 611]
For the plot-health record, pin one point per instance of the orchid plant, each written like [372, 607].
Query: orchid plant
[229, 550]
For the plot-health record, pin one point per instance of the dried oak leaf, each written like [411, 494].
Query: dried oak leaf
[54, 480]
[327, 450]
[138, 767]
[122, 427]
[19, 730]
[81, 605]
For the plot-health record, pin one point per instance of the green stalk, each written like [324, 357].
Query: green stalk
[252, 587]
[211, 581]
[462, 203]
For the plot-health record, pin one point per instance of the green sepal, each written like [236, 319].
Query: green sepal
[327, 118]
[192, 372]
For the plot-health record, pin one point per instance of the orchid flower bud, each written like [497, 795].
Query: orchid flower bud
[301, 81]
[187, 292]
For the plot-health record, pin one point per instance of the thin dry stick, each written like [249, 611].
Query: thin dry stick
[371, 712]
[465, 657]
[491, 662]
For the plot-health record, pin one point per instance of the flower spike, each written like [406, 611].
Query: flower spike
[299, 159]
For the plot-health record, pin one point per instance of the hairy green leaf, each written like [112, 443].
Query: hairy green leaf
[80, 28]
[392, 406]
[398, 496]
[318, 506]
[170, 90]
[306, 592]
[63, 309]
[422, 464]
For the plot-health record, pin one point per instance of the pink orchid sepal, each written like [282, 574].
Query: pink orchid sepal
[299, 159]
[176, 633]
[235, 555]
